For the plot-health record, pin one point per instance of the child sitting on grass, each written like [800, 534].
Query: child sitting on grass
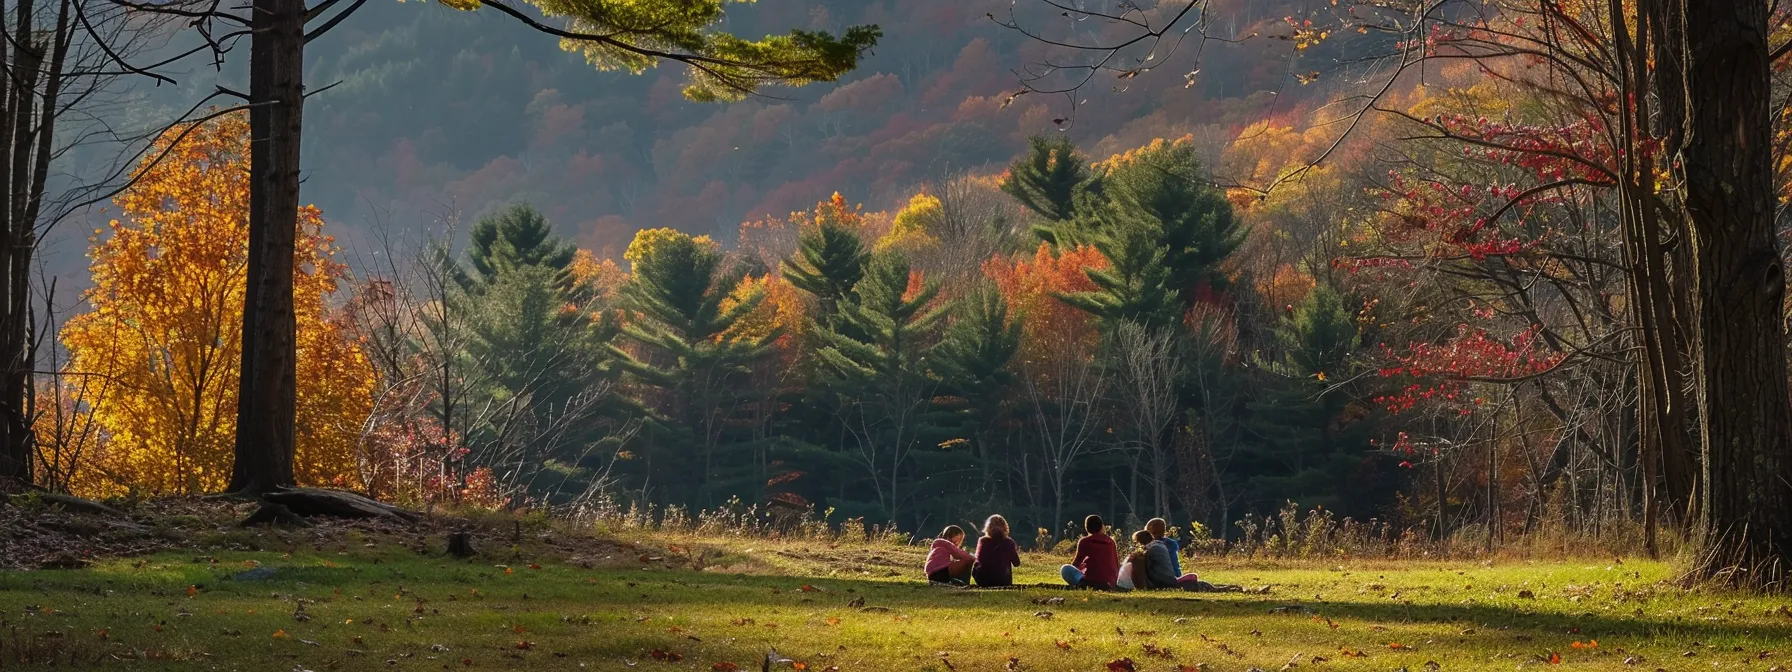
[947, 561]
[1166, 565]
[1096, 564]
[997, 555]
[1133, 574]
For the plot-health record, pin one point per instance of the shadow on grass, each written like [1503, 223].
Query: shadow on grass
[1491, 620]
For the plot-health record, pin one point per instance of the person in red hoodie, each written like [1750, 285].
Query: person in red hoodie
[1097, 562]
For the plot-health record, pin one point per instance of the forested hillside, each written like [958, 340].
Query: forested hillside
[434, 110]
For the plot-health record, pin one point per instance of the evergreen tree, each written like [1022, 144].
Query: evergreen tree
[1049, 179]
[1163, 185]
[687, 302]
[875, 363]
[517, 236]
[535, 397]
[972, 361]
[1310, 448]
[1135, 287]
[829, 261]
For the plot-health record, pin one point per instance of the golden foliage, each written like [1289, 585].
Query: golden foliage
[782, 310]
[163, 338]
[602, 276]
[646, 239]
[1049, 327]
[911, 230]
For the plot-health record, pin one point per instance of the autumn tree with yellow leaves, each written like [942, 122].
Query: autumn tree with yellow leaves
[162, 339]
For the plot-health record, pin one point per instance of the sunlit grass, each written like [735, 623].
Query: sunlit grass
[590, 604]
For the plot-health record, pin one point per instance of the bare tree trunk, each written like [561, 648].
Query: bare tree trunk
[1746, 414]
[265, 411]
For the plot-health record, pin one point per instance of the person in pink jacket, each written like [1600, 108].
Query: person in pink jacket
[947, 561]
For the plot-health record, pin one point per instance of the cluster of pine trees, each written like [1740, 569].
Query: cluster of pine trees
[1102, 357]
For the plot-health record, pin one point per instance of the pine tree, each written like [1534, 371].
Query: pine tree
[1163, 184]
[830, 260]
[1308, 449]
[688, 305]
[875, 363]
[1136, 285]
[972, 361]
[1049, 179]
[518, 236]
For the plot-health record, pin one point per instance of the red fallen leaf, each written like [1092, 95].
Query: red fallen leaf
[1121, 665]
[508, 570]
[105, 633]
[799, 666]
[808, 588]
[1555, 658]
[534, 566]
[1397, 646]
[517, 629]
[192, 590]
[1062, 644]
[525, 645]
[725, 667]
[1352, 653]
[833, 621]
[467, 662]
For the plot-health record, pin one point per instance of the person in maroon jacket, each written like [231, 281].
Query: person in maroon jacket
[997, 555]
[1097, 561]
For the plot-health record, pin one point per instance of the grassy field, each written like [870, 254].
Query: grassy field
[352, 601]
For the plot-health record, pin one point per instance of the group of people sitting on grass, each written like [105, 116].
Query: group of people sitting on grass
[1154, 564]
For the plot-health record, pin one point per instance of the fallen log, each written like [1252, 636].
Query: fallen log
[309, 502]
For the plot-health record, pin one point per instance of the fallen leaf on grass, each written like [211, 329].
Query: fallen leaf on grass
[1121, 665]
[1062, 645]
[524, 645]
[192, 590]
[278, 634]
[833, 621]
[1352, 653]
[724, 667]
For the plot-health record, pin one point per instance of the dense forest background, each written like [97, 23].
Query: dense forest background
[929, 292]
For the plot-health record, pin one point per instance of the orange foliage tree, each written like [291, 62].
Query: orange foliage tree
[164, 330]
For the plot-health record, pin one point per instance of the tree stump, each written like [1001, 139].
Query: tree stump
[460, 545]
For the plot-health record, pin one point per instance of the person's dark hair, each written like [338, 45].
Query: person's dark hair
[951, 531]
[1093, 524]
[1141, 537]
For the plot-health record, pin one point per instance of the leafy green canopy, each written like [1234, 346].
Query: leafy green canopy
[634, 35]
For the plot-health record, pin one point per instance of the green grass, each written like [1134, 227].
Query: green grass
[376, 603]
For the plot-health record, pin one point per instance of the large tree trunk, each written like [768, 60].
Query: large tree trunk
[1746, 415]
[265, 410]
